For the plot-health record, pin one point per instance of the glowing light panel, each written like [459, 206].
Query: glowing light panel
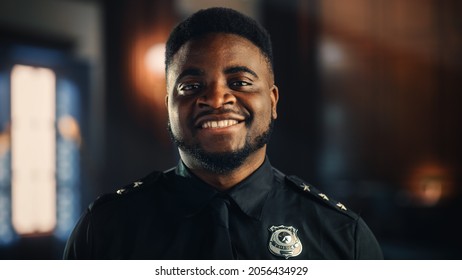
[33, 149]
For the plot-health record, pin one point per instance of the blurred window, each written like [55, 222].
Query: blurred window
[40, 141]
[33, 149]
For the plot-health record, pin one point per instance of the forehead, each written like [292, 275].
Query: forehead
[218, 49]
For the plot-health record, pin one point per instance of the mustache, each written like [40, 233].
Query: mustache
[245, 115]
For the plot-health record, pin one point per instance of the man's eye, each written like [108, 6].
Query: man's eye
[240, 84]
[189, 87]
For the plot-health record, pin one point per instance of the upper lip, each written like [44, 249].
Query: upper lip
[218, 117]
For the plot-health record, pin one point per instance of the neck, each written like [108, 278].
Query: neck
[228, 180]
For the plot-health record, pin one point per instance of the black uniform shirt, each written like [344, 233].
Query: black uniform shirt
[175, 215]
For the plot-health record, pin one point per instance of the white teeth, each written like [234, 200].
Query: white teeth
[219, 124]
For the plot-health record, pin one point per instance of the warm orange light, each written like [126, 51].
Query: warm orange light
[33, 148]
[4, 140]
[429, 183]
[69, 129]
[155, 59]
[146, 64]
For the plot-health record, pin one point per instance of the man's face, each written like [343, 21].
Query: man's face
[221, 98]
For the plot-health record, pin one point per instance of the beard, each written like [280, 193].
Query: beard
[223, 162]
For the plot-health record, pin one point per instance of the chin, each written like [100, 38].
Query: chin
[221, 149]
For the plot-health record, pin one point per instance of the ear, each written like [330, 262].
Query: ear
[274, 101]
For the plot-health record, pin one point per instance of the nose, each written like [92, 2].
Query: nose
[216, 96]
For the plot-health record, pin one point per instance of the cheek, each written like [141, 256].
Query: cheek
[173, 118]
[178, 118]
[263, 110]
[262, 114]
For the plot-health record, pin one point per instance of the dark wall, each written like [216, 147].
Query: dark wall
[294, 30]
[137, 141]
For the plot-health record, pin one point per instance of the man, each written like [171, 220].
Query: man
[224, 200]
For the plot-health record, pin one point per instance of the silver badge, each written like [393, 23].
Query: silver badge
[284, 242]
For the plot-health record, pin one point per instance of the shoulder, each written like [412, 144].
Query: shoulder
[305, 190]
[134, 189]
[365, 244]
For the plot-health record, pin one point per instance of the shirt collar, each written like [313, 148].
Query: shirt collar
[249, 195]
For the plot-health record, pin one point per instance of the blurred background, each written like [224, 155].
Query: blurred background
[369, 111]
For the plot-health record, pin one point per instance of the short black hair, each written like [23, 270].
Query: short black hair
[218, 20]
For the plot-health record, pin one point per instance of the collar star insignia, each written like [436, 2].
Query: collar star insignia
[341, 206]
[137, 184]
[323, 196]
[306, 188]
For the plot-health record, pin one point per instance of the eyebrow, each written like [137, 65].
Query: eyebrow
[190, 72]
[196, 72]
[238, 69]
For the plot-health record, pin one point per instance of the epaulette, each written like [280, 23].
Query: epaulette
[139, 184]
[318, 195]
[129, 188]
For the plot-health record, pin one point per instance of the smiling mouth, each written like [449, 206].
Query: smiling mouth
[219, 124]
